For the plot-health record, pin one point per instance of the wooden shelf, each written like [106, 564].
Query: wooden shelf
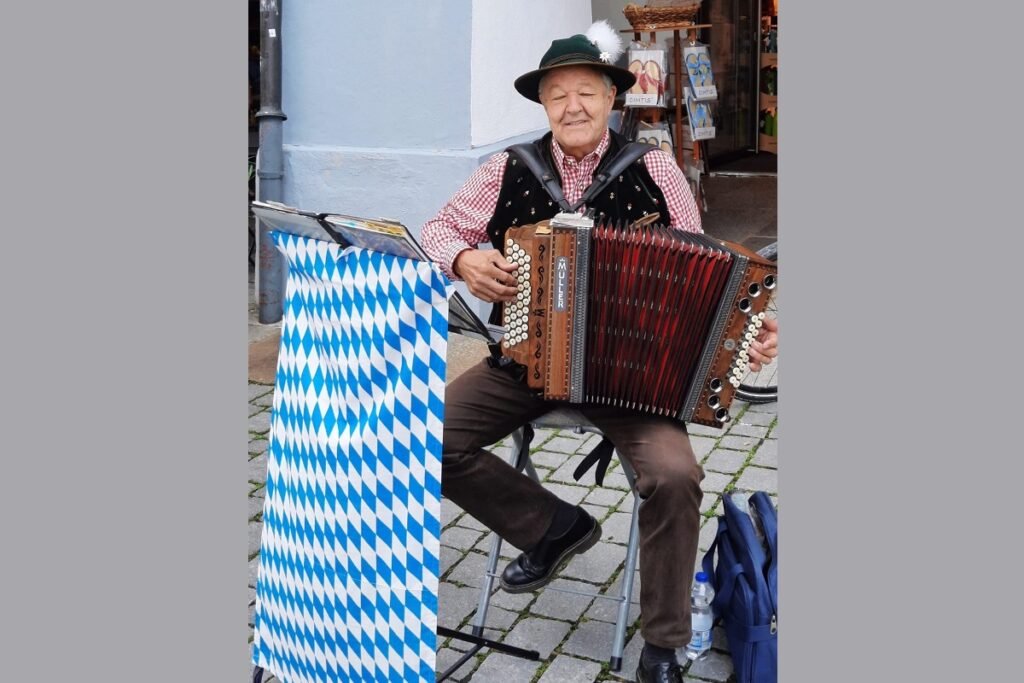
[769, 59]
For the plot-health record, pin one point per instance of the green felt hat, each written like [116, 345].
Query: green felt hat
[576, 50]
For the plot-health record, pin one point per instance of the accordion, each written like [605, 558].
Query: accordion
[641, 317]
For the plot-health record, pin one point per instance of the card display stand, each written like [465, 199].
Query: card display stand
[690, 163]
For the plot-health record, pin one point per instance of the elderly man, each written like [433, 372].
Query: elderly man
[576, 83]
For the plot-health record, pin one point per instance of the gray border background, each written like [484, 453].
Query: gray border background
[124, 489]
[899, 224]
[123, 507]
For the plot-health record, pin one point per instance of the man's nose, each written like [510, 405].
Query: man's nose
[574, 102]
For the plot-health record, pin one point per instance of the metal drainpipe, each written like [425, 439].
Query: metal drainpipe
[270, 166]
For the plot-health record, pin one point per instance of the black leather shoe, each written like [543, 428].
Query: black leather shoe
[663, 672]
[536, 568]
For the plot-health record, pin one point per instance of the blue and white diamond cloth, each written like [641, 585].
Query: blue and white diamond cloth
[349, 556]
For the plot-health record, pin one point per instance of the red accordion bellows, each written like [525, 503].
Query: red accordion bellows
[647, 318]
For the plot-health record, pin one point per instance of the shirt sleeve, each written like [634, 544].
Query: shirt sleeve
[462, 223]
[666, 174]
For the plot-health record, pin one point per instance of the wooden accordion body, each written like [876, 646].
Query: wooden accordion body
[646, 318]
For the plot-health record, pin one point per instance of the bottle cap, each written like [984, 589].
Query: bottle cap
[701, 576]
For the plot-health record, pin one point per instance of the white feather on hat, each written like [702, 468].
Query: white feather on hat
[606, 39]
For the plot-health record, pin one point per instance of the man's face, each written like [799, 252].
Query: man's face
[577, 102]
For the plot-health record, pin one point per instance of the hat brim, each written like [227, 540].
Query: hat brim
[528, 84]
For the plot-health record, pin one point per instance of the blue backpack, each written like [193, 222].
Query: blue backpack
[746, 579]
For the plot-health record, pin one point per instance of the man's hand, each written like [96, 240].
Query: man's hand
[765, 346]
[487, 274]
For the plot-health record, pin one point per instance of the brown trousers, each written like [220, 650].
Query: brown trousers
[484, 405]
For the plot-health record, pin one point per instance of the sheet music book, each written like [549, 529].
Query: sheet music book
[383, 235]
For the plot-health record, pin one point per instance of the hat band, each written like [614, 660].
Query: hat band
[572, 56]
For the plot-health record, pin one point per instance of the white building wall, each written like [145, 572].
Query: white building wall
[508, 39]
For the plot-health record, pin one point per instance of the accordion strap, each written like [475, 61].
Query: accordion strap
[540, 169]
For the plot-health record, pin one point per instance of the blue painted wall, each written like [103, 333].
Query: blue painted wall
[390, 73]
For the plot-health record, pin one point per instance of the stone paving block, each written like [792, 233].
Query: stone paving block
[598, 564]
[254, 409]
[573, 495]
[565, 471]
[507, 552]
[752, 417]
[725, 461]
[267, 400]
[770, 407]
[714, 667]
[471, 522]
[570, 670]
[548, 460]
[560, 605]
[708, 503]
[255, 506]
[498, 620]
[596, 511]
[759, 479]
[614, 480]
[719, 641]
[470, 570]
[501, 667]
[446, 657]
[695, 429]
[449, 557]
[454, 604]
[258, 468]
[707, 536]
[254, 565]
[460, 537]
[753, 431]
[563, 444]
[607, 497]
[255, 530]
[533, 633]
[714, 482]
[608, 610]
[738, 443]
[514, 602]
[702, 445]
[774, 434]
[257, 446]
[503, 452]
[615, 529]
[260, 423]
[259, 390]
[592, 639]
[541, 436]
[767, 454]
[449, 512]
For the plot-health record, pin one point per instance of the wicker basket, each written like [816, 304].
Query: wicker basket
[651, 18]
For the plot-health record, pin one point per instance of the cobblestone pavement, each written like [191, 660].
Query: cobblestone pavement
[572, 632]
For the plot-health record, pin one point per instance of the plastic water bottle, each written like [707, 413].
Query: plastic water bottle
[701, 596]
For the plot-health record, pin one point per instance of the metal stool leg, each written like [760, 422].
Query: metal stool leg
[629, 572]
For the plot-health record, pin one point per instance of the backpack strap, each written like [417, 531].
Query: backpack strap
[626, 156]
[761, 503]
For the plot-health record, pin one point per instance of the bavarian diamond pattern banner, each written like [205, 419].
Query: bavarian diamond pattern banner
[349, 557]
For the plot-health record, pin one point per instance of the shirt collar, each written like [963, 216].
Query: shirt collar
[561, 158]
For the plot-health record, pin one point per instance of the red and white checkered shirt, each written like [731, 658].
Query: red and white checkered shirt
[462, 223]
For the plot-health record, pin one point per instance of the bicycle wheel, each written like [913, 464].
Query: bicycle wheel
[763, 386]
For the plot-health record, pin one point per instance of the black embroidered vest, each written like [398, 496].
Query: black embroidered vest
[523, 199]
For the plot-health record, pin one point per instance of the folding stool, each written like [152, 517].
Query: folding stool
[564, 418]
